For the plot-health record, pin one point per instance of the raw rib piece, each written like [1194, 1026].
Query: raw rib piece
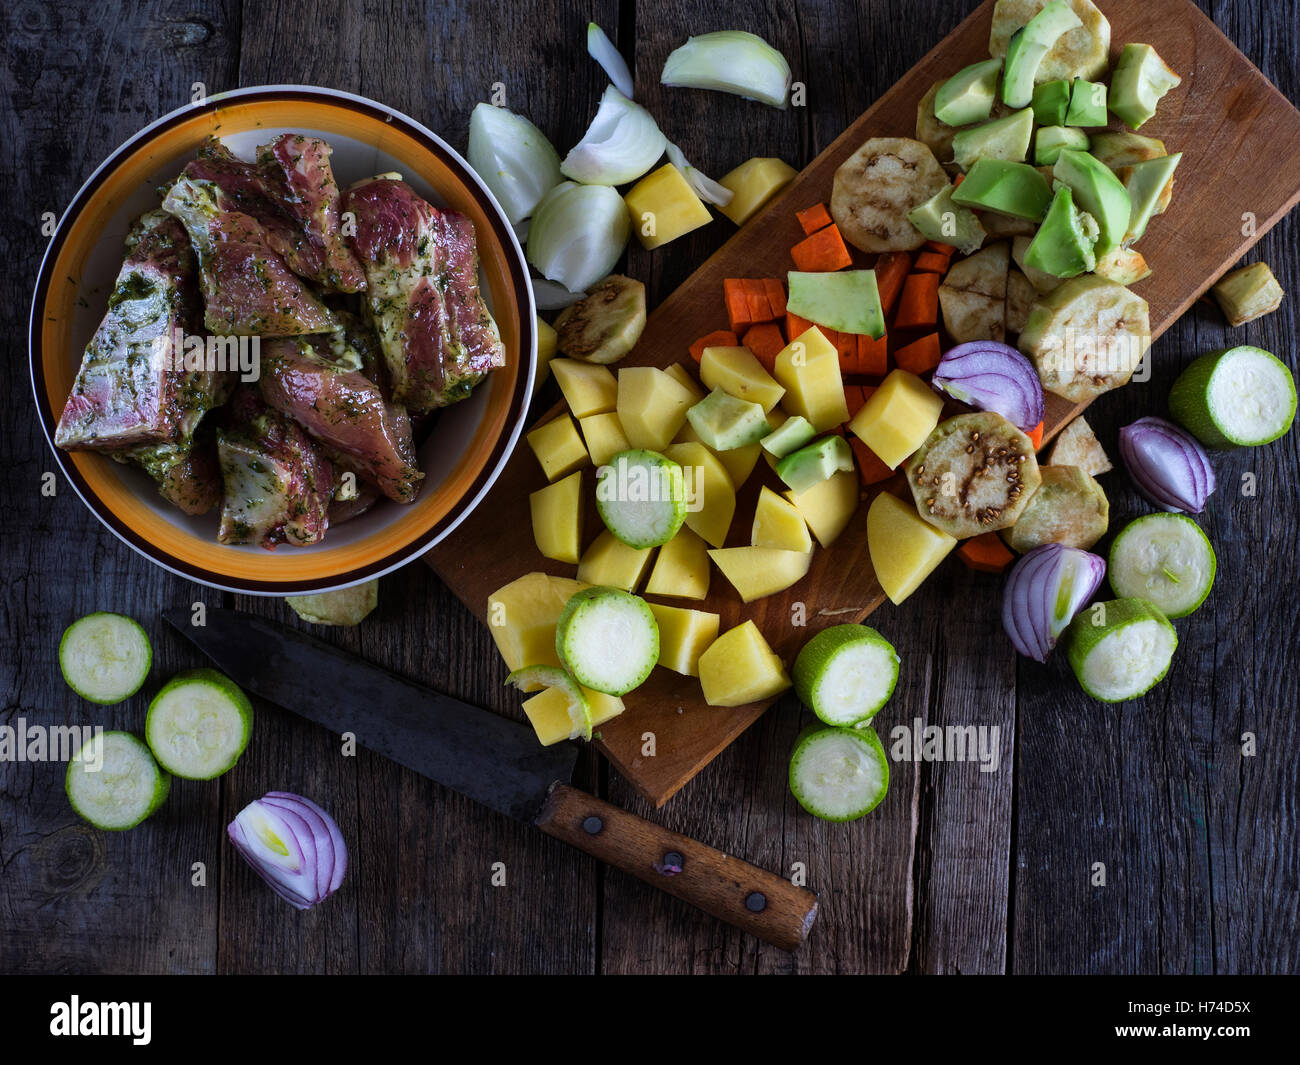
[344, 409]
[277, 484]
[124, 394]
[436, 333]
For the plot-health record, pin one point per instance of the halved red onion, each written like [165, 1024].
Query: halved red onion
[292, 844]
[1167, 464]
[987, 375]
[1046, 588]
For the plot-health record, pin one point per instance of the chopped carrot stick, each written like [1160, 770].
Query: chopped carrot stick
[775, 292]
[920, 356]
[733, 294]
[943, 249]
[931, 262]
[873, 355]
[854, 397]
[766, 341]
[871, 470]
[719, 338]
[958, 180]
[846, 345]
[813, 218]
[1036, 436]
[796, 326]
[892, 269]
[986, 553]
[823, 251]
[919, 303]
[756, 296]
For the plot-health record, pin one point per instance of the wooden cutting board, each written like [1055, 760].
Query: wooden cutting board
[1239, 175]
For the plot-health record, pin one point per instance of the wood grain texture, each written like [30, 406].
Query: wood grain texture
[1223, 109]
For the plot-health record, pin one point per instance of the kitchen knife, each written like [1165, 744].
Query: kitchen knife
[494, 761]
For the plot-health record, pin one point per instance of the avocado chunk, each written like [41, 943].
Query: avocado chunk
[1141, 78]
[791, 435]
[809, 466]
[1051, 103]
[1099, 192]
[1028, 46]
[942, 220]
[1122, 148]
[1087, 104]
[724, 423]
[1049, 141]
[1015, 189]
[1063, 245]
[1146, 183]
[1003, 138]
[968, 95]
[847, 300]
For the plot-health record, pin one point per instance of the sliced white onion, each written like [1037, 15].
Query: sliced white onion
[622, 143]
[549, 296]
[705, 188]
[577, 234]
[514, 159]
[730, 61]
[611, 61]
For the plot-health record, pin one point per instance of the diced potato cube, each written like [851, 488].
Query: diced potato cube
[778, 523]
[663, 207]
[558, 447]
[739, 462]
[682, 569]
[739, 373]
[904, 548]
[753, 183]
[679, 373]
[522, 616]
[828, 505]
[684, 635]
[651, 406]
[739, 667]
[756, 572]
[546, 337]
[611, 562]
[557, 518]
[587, 387]
[1248, 293]
[603, 707]
[710, 494]
[809, 368]
[548, 713]
[897, 417]
[604, 435]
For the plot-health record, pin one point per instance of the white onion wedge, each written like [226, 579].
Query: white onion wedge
[705, 188]
[730, 61]
[622, 143]
[514, 159]
[611, 61]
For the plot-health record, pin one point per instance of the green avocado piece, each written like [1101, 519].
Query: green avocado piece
[968, 95]
[724, 423]
[1050, 102]
[1027, 47]
[1087, 104]
[813, 464]
[1003, 138]
[942, 220]
[790, 436]
[1145, 183]
[1063, 245]
[1122, 148]
[1141, 78]
[1099, 192]
[1049, 141]
[847, 300]
[1015, 189]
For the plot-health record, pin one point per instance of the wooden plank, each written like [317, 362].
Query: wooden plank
[1223, 109]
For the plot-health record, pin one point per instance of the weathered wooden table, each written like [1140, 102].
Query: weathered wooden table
[958, 871]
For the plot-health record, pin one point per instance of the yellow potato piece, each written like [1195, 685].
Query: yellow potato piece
[739, 667]
[663, 207]
[738, 373]
[761, 571]
[557, 518]
[710, 493]
[558, 447]
[739, 462]
[898, 417]
[809, 368]
[679, 373]
[684, 635]
[522, 615]
[588, 388]
[651, 406]
[753, 183]
[904, 548]
[778, 523]
[611, 562]
[604, 436]
[682, 569]
[548, 712]
[828, 505]
[545, 353]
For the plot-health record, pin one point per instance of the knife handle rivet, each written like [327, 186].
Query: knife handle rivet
[592, 825]
[670, 864]
[756, 902]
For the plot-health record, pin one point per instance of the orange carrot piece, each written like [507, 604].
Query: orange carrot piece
[1036, 436]
[931, 262]
[846, 345]
[938, 246]
[920, 356]
[765, 340]
[823, 251]
[986, 553]
[775, 292]
[873, 355]
[796, 326]
[733, 294]
[756, 297]
[719, 338]
[892, 269]
[813, 218]
[871, 470]
[919, 303]
[958, 180]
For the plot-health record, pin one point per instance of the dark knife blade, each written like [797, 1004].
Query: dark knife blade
[482, 755]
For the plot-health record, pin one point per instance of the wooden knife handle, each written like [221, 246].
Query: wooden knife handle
[752, 899]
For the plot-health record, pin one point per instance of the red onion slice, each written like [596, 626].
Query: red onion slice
[987, 375]
[1044, 591]
[292, 844]
[1167, 465]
